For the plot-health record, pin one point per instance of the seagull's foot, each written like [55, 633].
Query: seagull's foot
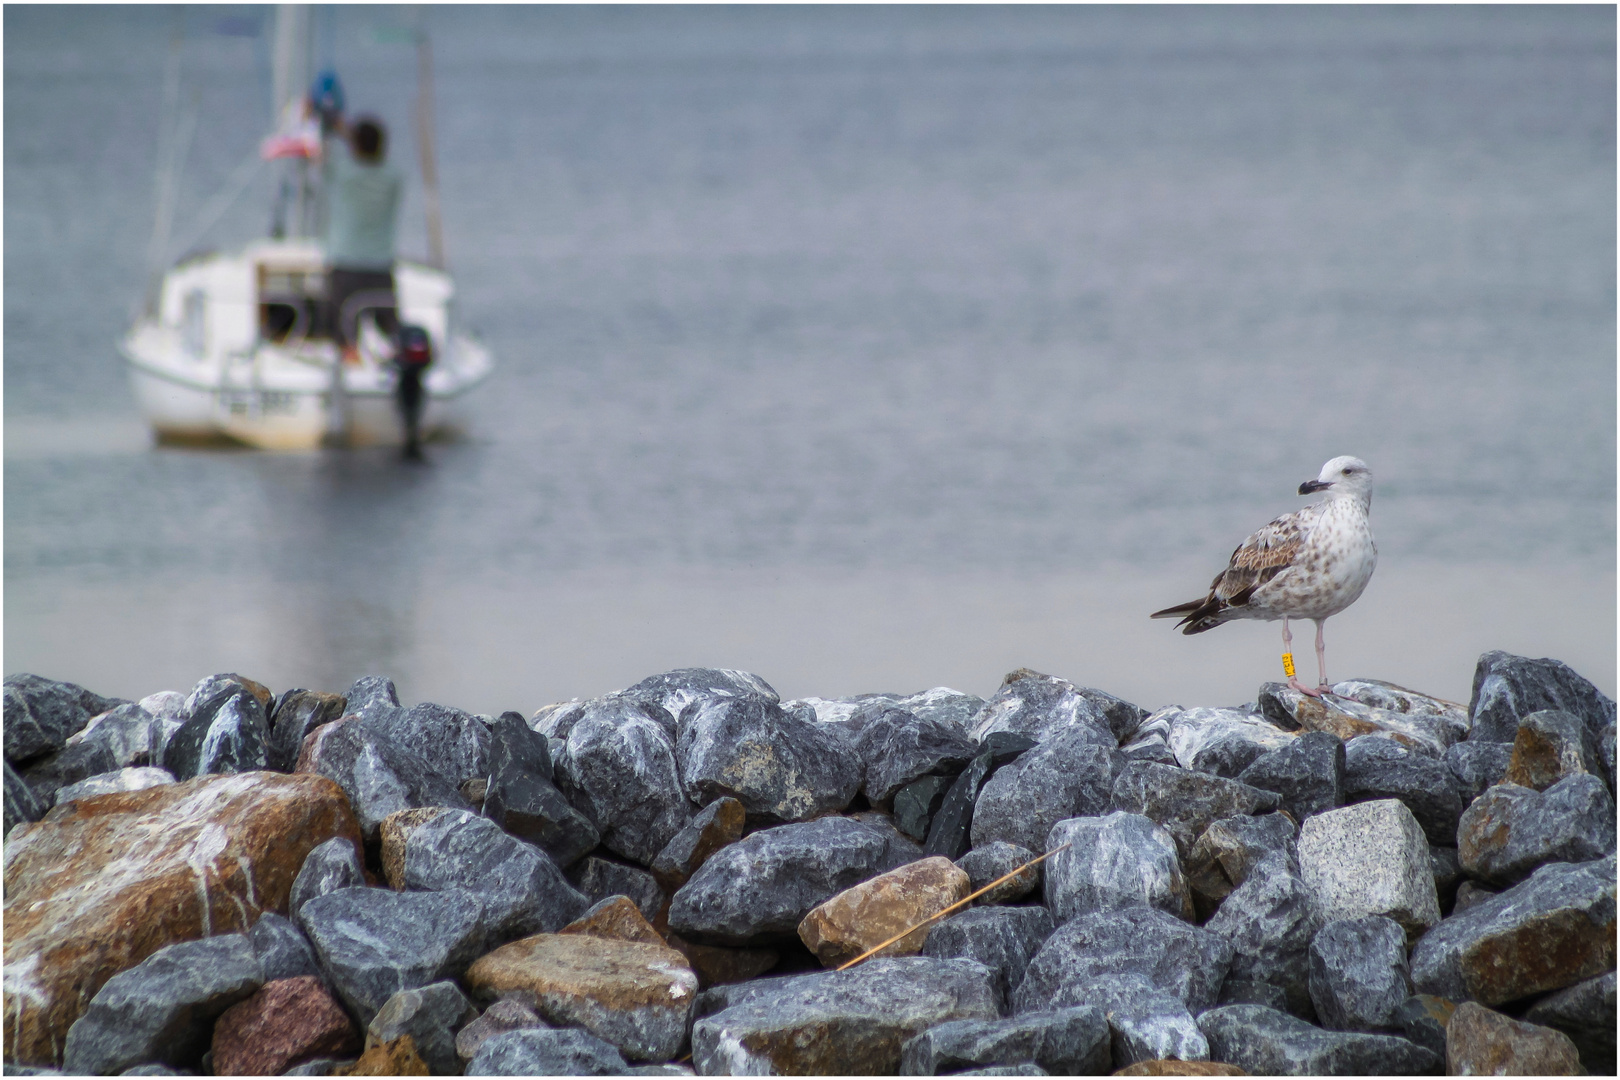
[1302, 688]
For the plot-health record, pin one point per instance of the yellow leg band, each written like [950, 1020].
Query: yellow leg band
[1288, 664]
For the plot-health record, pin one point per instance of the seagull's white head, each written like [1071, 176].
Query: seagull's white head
[1343, 475]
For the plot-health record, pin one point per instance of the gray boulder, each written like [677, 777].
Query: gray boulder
[1265, 1042]
[373, 943]
[674, 690]
[1001, 938]
[779, 766]
[547, 1052]
[431, 1015]
[994, 861]
[597, 879]
[842, 1022]
[454, 742]
[72, 764]
[712, 828]
[522, 799]
[1586, 1013]
[522, 891]
[1113, 863]
[296, 714]
[21, 802]
[1508, 688]
[898, 747]
[1379, 768]
[1476, 766]
[372, 695]
[378, 776]
[1029, 703]
[283, 951]
[1544, 934]
[330, 866]
[1168, 954]
[1551, 745]
[505, 1015]
[916, 804]
[135, 778]
[1269, 921]
[944, 705]
[127, 733]
[1422, 1018]
[1183, 801]
[41, 713]
[1359, 976]
[226, 731]
[1307, 774]
[1369, 859]
[1510, 830]
[950, 830]
[619, 770]
[1147, 1023]
[1063, 1042]
[163, 1009]
[756, 891]
[1068, 774]
[1223, 742]
[1230, 848]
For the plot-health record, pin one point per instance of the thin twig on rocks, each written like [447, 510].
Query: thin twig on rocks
[946, 911]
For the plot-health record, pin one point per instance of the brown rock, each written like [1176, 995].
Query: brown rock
[503, 1016]
[258, 690]
[395, 829]
[637, 997]
[867, 915]
[715, 826]
[1172, 1067]
[1480, 1042]
[716, 965]
[618, 918]
[98, 885]
[287, 1021]
[474, 791]
[395, 1058]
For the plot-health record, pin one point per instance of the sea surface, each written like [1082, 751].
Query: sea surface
[865, 348]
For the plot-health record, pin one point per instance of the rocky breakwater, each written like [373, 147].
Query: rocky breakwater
[667, 879]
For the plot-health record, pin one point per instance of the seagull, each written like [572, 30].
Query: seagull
[1310, 564]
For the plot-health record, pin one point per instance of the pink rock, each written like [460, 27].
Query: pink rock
[287, 1021]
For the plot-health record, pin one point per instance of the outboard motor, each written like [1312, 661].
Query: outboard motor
[412, 357]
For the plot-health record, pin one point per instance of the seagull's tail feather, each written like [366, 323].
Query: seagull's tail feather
[1180, 609]
[1196, 615]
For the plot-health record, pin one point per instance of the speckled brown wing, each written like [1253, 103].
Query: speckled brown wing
[1264, 555]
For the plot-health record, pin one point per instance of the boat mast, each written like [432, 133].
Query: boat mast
[424, 139]
[291, 56]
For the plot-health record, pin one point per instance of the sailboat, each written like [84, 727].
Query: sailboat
[238, 345]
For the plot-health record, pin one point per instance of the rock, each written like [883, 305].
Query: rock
[396, 1058]
[1183, 801]
[1606, 755]
[1358, 974]
[21, 802]
[1586, 1013]
[1113, 863]
[521, 798]
[283, 951]
[41, 713]
[162, 1009]
[674, 690]
[1151, 739]
[1250, 992]
[1147, 1023]
[597, 879]
[503, 1016]
[99, 885]
[322, 1067]
[1369, 859]
[454, 743]
[1168, 954]
[1480, 1042]
[226, 730]
[1029, 703]
[1508, 688]
[1397, 699]
[620, 771]
[781, 768]
[1001, 938]
[712, 828]
[372, 695]
[1511, 830]
[1269, 922]
[522, 891]
[378, 777]
[373, 943]
[68, 766]
[1223, 742]
[1551, 745]
[1231, 847]
[898, 748]
[1427, 731]
[946, 705]
[1470, 893]
[1063, 1042]
[841, 1022]
[865, 916]
[332, 865]
[1446, 866]
[126, 732]
[1476, 766]
[547, 1052]
[995, 860]
[949, 831]
[1377, 768]
[1543, 934]
[430, 1015]
[1069, 774]
[393, 834]
[132, 779]
[758, 890]
[1307, 774]
[617, 918]
[1266, 1042]
[1422, 1018]
[916, 804]
[636, 997]
[716, 965]
[1172, 1067]
[297, 713]
[286, 1022]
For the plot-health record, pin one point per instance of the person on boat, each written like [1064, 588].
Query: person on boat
[362, 210]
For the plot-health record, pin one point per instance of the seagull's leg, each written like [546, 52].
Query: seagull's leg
[1288, 651]
[1321, 659]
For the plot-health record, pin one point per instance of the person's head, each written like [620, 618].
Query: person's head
[370, 139]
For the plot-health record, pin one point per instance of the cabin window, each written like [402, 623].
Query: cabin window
[291, 305]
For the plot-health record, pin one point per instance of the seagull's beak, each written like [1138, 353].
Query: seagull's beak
[1312, 486]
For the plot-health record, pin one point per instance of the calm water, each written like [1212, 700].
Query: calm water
[867, 348]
